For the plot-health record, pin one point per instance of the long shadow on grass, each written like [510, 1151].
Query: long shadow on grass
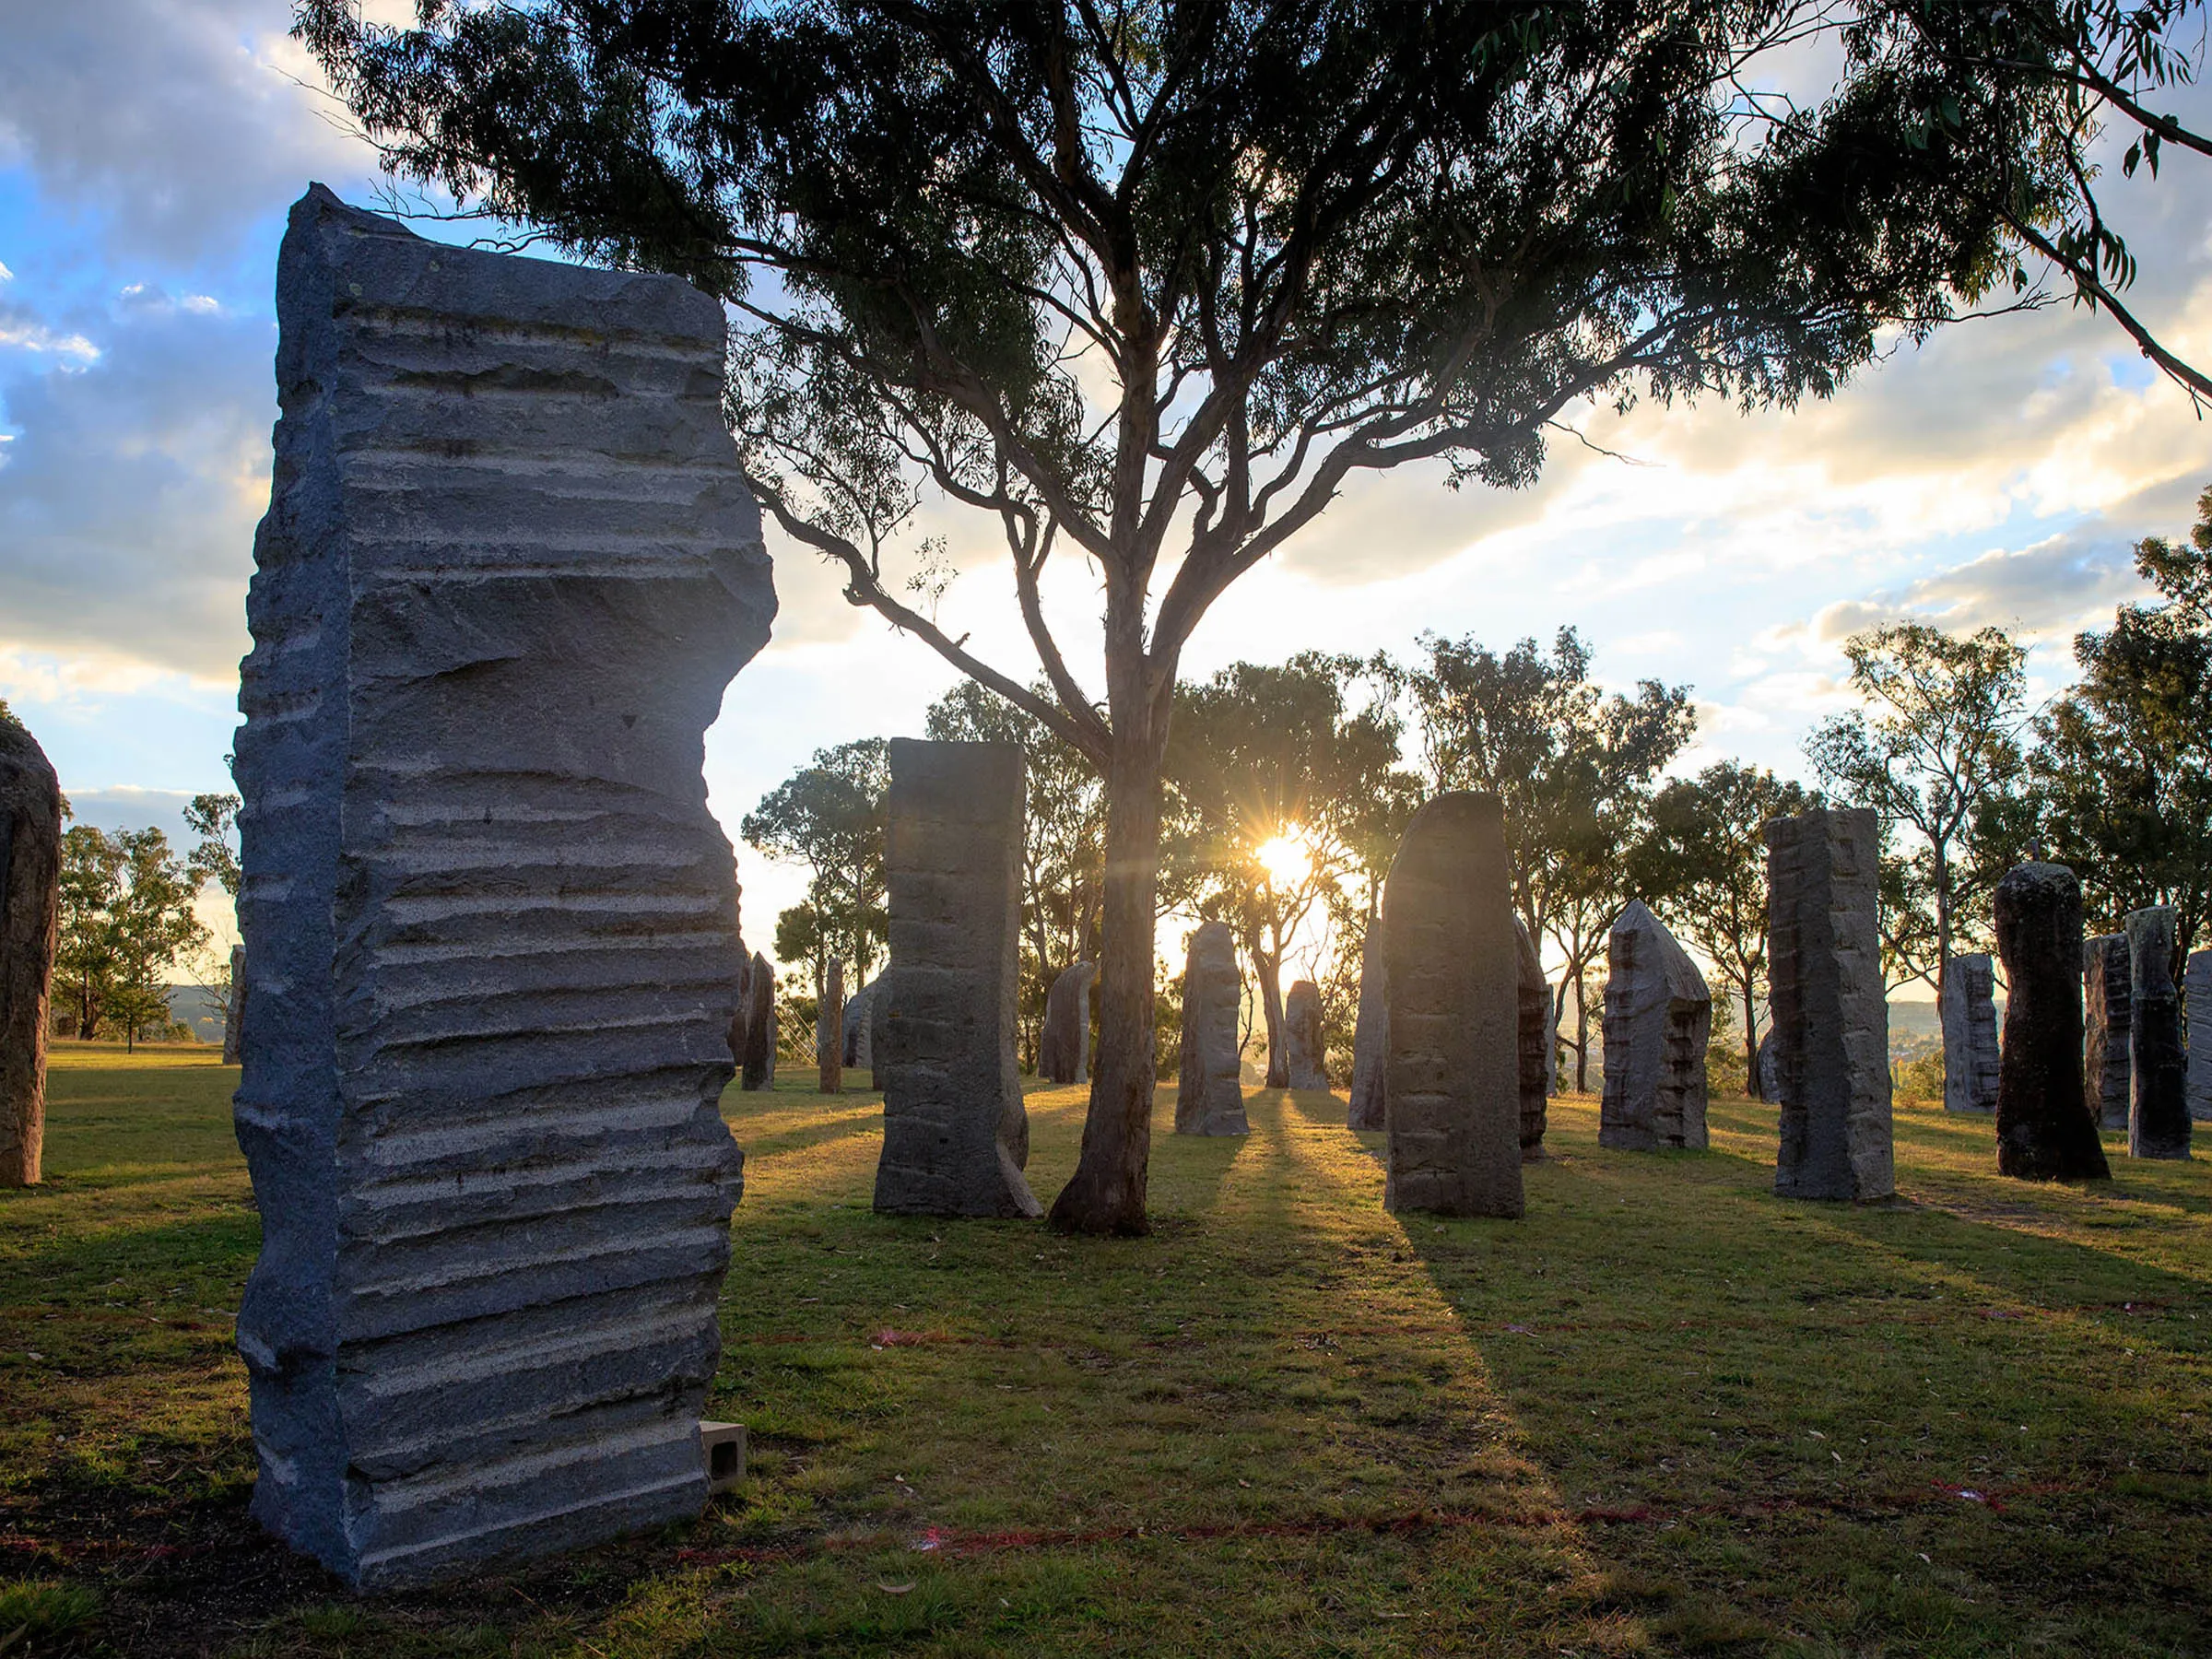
[136, 1254]
[836, 1123]
[1188, 1171]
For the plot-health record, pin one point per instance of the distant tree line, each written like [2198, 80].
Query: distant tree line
[128, 924]
[1287, 787]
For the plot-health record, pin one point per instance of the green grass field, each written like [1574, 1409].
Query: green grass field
[1666, 1413]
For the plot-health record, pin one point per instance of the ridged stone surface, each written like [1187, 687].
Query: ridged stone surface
[31, 873]
[956, 1135]
[1969, 1034]
[1305, 1045]
[1064, 1050]
[1534, 1033]
[1209, 1087]
[1453, 1071]
[2046, 1131]
[2196, 996]
[2158, 1111]
[2107, 1013]
[1658, 1020]
[759, 1061]
[1831, 1017]
[509, 566]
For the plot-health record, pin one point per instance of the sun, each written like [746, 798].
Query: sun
[1287, 859]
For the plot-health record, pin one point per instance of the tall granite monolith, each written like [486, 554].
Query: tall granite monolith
[2107, 1011]
[511, 563]
[1832, 1019]
[1454, 1075]
[2196, 1006]
[1658, 1020]
[2158, 1108]
[861, 1015]
[1370, 1034]
[759, 1057]
[2046, 1131]
[1063, 1049]
[234, 1007]
[1305, 1048]
[30, 874]
[1969, 1012]
[1532, 1030]
[1209, 1088]
[955, 1133]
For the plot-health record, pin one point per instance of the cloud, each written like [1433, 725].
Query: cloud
[175, 121]
[2051, 587]
[129, 492]
[20, 330]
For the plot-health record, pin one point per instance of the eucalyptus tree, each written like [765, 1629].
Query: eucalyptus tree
[1575, 766]
[1936, 753]
[829, 816]
[1138, 285]
[2123, 778]
[1277, 775]
[1703, 866]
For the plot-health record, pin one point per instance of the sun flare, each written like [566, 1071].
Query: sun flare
[1287, 859]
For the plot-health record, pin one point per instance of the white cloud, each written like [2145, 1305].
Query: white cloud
[174, 122]
[129, 494]
[21, 331]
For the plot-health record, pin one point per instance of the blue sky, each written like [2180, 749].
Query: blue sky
[147, 153]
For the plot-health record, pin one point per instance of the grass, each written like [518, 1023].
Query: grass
[1664, 1414]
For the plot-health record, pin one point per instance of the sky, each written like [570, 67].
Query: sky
[1998, 474]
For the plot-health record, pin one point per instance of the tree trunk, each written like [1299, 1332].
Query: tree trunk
[1581, 1035]
[830, 1034]
[1106, 1194]
[1943, 921]
[1270, 970]
[1754, 1085]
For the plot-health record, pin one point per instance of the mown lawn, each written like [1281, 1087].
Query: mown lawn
[1666, 1413]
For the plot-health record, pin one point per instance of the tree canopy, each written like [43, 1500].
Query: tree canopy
[1936, 753]
[1575, 767]
[829, 816]
[1144, 284]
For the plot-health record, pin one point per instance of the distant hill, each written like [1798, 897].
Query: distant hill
[201, 1009]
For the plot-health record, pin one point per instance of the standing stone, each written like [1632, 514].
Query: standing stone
[1371, 1035]
[234, 1006]
[830, 1032]
[489, 927]
[2107, 1017]
[955, 1134]
[1535, 1054]
[1658, 1020]
[1969, 1034]
[1453, 1076]
[1769, 1067]
[759, 1057]
[1831, 1020]
[1305, 1047]
[2157, 1112]
[1064, 1051]
[2196, 986]
[30, 874]
[2044, 1129]
[1209, 1088]
[741, 1022]
[859, 1027]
